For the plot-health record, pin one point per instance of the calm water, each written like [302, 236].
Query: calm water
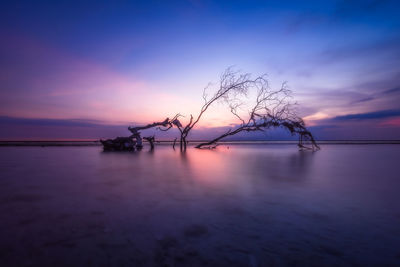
[245, 205]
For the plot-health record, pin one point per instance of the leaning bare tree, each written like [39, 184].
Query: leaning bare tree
[267, 109]
[250, 100]
[231, 83]
[164, 125]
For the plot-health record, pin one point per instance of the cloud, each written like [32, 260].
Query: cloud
[51, 122]
[379, 95]
[392, 91]
[366, 99]
[371, 51]
[352, 126]
[382, 114]
[38, 79]
[14, 128]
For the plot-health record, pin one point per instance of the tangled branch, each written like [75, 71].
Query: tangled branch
[270, 109]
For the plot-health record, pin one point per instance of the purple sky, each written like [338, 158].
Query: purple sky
[87, 70]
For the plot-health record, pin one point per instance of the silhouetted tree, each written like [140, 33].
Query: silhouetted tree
[231, 83]
[164, 125]
[267, 109]
[251, 100]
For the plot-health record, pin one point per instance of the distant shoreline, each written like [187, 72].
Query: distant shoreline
[269, 142]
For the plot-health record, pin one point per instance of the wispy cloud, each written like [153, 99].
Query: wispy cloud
[368, 51]
[381, 114]
[51, 122]
[394, 92]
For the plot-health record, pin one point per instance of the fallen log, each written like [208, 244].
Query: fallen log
[135, 140]
[119, 144]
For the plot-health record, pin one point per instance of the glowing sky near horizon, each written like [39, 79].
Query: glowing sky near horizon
[140, 61]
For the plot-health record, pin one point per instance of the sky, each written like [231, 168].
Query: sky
[88, 69]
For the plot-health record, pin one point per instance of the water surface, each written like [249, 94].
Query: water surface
[242, 205]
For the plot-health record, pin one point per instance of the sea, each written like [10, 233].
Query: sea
[240, 204]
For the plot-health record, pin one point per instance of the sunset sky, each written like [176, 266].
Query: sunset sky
[87, 70]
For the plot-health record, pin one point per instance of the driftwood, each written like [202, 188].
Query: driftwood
[119, 144]
[151, 140]
[135, 140]
[164, 123]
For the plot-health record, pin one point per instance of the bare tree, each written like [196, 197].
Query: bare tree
[164, 125]
[232, 83]
[250, 100]
[269, 109]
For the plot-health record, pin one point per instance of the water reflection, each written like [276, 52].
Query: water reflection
[244, 205]
[244, 166]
